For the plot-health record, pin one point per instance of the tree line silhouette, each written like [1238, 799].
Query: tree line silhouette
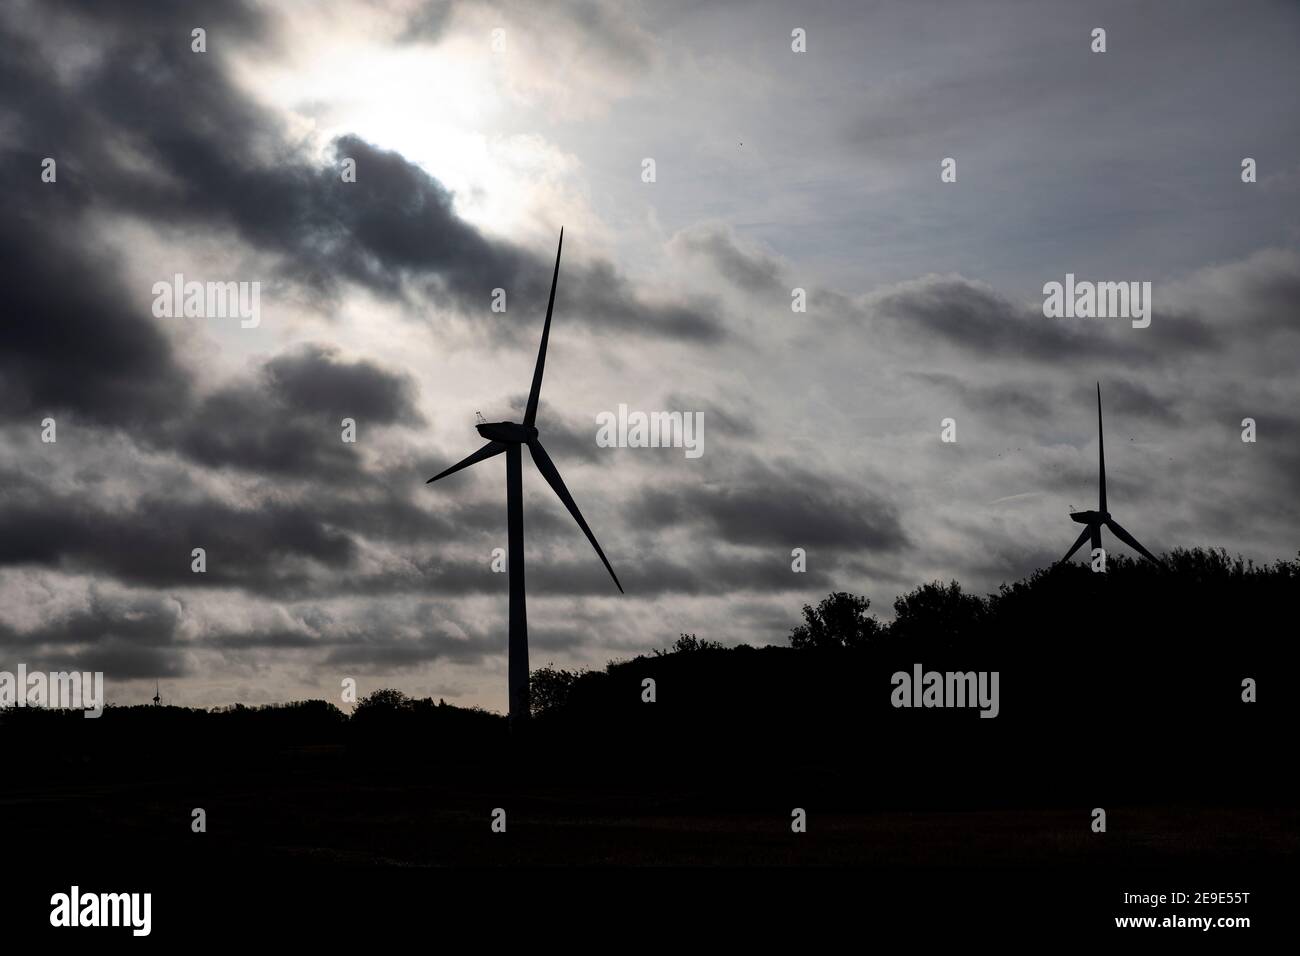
[1128, 683]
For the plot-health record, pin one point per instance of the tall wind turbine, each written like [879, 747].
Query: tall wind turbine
[1095, 519]
[508, 437]
[156, 699]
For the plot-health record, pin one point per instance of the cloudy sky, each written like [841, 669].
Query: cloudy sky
[774, 170]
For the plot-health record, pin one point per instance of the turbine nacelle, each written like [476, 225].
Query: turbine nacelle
[509, 433]
[1089, 517]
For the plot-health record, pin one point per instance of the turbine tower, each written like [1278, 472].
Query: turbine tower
[509, 437]
[1095, 519]
[156, 699]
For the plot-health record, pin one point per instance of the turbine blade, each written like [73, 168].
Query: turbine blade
[1131, 541]
[1077, 544]
[552, 475]
[530, 414]
[487, 451]
[1101, 452]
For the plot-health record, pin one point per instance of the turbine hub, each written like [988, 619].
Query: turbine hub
[511, 433]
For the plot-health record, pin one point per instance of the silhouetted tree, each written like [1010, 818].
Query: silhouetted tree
[840, 620]
[938, 613]
[549, 688]
[381, 703]
[688, 643]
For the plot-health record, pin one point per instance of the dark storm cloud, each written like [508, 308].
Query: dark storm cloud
[225, 17]
[281, 547]
[725, 414]
[150, 543]
[147, 620]
[601, 293]
[69, 341]
[313, 378]
[270, 548]
[120, 659]
[779, 505]
[287, 419]
[73, 341]
[1040, 400]
[259, 640]
[749, 268]
[1276, 295]
[973, 318]
[1133, 400]
[427, 21]
[649, 570]
[1258, 295]
[1002, 398]
[123, 636]
[395, 229]
[397, 222]
[705, 571]
[369, 652]
[1275, 456]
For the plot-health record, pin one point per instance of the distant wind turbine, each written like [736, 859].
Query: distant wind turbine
[156, 699]
[508, 437]
[1095, 519]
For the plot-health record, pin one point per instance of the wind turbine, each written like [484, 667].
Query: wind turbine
[156, 698]
[509, 437]
[1095, 519]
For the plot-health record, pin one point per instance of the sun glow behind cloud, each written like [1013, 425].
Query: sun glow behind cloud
[440, 106]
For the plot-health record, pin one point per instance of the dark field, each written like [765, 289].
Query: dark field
[317, 807]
